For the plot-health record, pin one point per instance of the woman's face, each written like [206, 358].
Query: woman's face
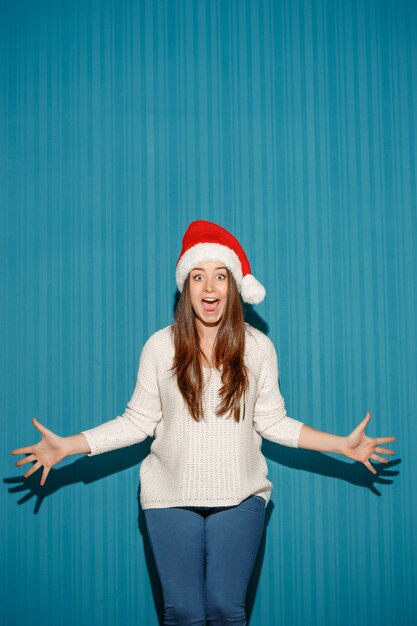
[208, 291]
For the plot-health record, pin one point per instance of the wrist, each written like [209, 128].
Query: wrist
[76, 444]
[341, 445]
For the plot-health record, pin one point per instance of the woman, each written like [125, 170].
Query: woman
[207, 391]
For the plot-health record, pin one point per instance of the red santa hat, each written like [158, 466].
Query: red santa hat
[207, 241]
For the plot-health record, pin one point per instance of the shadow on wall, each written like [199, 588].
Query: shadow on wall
[89, 469]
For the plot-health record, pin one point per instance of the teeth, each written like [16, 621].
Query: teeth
[210, 299]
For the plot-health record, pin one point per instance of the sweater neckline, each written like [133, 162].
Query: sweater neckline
[210, 369]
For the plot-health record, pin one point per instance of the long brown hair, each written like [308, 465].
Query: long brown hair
[228, 350]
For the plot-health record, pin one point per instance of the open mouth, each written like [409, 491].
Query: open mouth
[210, 304]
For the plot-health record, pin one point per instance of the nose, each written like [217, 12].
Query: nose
[209, 286]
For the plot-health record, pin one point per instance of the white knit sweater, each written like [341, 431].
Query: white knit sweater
[215, 462]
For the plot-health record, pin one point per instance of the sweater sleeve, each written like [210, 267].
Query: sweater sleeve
[141, 416]
[270, 416]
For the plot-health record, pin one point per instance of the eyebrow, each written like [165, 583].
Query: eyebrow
[203, 270]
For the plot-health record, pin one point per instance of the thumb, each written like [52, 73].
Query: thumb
[42, 429]
[363, 424]
[366, 418]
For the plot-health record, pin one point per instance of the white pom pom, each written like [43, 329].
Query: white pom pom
[251, 290]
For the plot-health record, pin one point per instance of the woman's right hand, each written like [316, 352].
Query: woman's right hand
[48, 452]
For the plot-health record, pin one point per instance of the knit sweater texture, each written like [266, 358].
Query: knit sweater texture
[212, 463]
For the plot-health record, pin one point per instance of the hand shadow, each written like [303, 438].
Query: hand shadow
[86, 470]
[324, 465]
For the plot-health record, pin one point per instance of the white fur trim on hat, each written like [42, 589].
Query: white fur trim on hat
[202, 252]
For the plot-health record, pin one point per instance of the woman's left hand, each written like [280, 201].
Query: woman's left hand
[361, 448]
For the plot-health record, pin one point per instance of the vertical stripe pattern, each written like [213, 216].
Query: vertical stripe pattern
[293, 124]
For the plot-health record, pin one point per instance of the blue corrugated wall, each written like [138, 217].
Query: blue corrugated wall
[291, 123]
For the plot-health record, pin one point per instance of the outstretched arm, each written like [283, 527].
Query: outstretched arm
[356, 446]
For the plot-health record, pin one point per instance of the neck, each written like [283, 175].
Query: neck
[207, 333]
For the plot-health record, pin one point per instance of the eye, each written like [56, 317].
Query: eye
[222, 276]
[197, 276]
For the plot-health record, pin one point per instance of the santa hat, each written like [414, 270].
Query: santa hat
[206, 241]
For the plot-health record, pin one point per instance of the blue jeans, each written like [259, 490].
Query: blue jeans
[205, 557]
